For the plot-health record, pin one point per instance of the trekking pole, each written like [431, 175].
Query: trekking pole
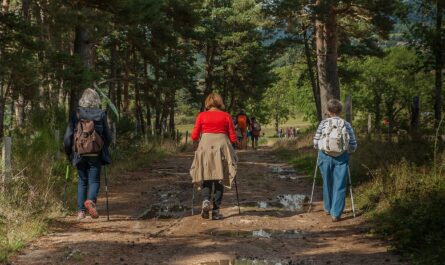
[106, 193]
[65, 186]
[237, 196]
[313, 184]
[193, 199]
[350, 191]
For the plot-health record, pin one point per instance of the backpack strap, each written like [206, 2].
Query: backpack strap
[328, 133]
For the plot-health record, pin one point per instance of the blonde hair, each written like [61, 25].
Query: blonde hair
[90, 99]
[214, 100]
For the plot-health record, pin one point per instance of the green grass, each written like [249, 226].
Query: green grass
[304, 163]
[298, 122]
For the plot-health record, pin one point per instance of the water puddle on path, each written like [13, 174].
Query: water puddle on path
[247, 262]
[168, 207]
[286, 173]
[282, 202]
[283, 170]
[261, 233]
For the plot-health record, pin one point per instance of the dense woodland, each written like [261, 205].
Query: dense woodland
[157, 59]
[154, 61]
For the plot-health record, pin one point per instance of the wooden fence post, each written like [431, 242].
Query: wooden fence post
[369, 123]
[348, 108]
[57, 140]
[114, 133]
[6, 162]
[415, 114]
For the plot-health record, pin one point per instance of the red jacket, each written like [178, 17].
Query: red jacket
[214, 122]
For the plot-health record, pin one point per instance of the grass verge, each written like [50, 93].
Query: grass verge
[35, 191]
[400, 190]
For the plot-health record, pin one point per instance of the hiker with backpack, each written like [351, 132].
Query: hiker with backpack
[335, 140]
[215, 161]
[256, 130]
[243, 123]
[87, 138]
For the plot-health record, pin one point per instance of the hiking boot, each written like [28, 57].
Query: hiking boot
[205, 213]
[91, 208]
[216, 215]
[81, 215]
[335, 219]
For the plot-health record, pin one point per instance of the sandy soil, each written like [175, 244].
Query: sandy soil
[134, 236]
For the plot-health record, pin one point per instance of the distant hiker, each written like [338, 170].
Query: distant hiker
[295, 132]
[215, 161]
[239, 135]
[335, 140]
[243, 123]
[256, 130]
[86, 141]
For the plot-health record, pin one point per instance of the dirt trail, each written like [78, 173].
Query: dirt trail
[257, 236]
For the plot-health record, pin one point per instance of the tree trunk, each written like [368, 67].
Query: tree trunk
[415, 115]
[377, 110]
[126, 102]
[157, 105]
[147, 102]
[82, 48]
[20, 101]
[277, 124]
[113, 73]
[171, 122]
[5, 6]
[326, 43]
[2, 116]
[439, 64]
[139, 112]
[25, 9]
[312, 76]
[19, 107]
[210, 60]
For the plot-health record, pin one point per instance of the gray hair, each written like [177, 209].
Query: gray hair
[90, 99]
[334, 106]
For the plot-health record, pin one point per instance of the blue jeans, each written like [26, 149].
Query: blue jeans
[335, 175]
[88, 170]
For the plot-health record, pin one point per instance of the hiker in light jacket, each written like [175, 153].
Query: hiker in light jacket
[88, 165]
[215, 160]
[335, 140]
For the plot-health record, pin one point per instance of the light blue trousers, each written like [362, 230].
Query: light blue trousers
[335, 176]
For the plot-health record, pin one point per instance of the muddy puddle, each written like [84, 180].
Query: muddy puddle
[283, 170]
[286, 173]
[282, 202]
[261, 233]
[245, 262]
[168, 206]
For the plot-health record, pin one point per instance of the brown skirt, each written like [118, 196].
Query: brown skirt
[215, 159]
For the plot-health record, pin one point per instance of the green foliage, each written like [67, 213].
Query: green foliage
[406, 206]
[385, 86]
[279, 99]
[415, 222]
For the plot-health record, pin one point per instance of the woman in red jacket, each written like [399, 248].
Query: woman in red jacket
[215, 160]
